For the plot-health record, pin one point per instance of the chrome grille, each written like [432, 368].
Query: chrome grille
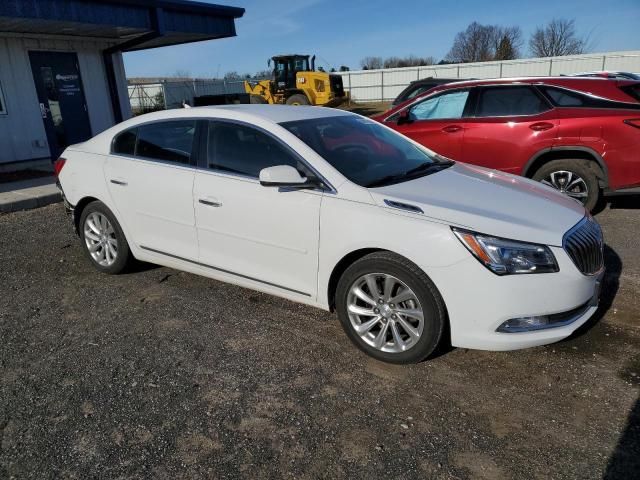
[584, 244]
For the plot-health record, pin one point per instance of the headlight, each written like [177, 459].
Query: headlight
[506, 257]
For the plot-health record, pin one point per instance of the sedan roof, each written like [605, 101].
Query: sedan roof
[280, 113]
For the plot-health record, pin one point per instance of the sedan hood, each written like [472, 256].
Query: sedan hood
[490, 202]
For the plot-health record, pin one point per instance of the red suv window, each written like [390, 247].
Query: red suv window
[509, 101]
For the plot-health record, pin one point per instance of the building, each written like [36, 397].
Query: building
[62, 78]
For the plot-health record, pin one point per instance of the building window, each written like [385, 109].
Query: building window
[3, 105]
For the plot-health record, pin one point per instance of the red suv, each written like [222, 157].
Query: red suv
[579, 135]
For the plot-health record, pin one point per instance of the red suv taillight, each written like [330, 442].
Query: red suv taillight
[58, 164]
[634, 122]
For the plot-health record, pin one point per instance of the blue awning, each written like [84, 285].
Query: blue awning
[133, 24]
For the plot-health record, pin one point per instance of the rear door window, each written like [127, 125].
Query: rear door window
[125, 143]
[169, 141]
[448, 105]
[509, 101]
[565, 98]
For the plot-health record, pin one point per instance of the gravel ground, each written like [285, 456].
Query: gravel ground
[161, 374]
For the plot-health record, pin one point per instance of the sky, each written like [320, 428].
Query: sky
[343, 32]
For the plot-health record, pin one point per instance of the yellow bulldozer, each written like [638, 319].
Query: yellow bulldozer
[295, 81]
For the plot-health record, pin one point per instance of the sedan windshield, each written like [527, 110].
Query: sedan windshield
[364, 151]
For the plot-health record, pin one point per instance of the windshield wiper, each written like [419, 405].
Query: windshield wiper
[429, 167]
[421, 170]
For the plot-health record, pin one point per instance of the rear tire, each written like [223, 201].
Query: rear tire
[401, 321]
[103, 240]
[298, 99]
[573, 177]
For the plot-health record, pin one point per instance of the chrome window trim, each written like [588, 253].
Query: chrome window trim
[154, 161]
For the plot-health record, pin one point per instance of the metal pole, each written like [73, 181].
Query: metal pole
[164, 94]
[382, 86]
[350, 91]
[550, 65]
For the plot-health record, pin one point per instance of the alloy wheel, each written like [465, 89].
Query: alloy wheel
[100, 238]
[568, 183]
[385, 312]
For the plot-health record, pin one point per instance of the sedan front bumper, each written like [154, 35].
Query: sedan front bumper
[479, 303]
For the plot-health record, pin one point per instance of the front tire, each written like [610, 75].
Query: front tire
[573, 177]
[103, 240]
[257, 100]
[298, 99]
[390, 309]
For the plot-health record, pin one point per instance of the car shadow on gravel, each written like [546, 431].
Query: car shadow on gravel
[610, 285]
[624, 462]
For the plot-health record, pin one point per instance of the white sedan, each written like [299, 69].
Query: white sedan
[330, 209]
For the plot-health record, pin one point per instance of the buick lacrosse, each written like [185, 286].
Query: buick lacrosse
[334, 210]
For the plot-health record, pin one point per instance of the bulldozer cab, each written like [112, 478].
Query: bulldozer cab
[285, 68]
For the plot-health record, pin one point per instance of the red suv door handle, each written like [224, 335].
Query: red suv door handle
[541, 126]
[452, 128]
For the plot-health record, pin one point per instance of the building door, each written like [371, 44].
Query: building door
[62, 103]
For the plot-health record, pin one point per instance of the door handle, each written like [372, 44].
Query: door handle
[210, 203]
[452, 128]
[119, 182]
[541, 126]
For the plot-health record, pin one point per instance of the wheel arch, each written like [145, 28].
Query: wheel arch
[566, 152]
[340, 268]
[79, 208]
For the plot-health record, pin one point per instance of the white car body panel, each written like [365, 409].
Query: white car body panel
[276, 239]
[155, 200]
[287, 243]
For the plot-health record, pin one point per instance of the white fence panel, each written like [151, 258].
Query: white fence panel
[384, 85]
[480, 70]
[623, 63]
[563, 66]
[531, 68]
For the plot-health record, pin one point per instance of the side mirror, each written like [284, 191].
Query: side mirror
[404, 118]
[284, 176]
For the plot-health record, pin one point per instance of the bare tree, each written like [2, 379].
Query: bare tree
[481, 43]
[410, 61]
[232, 76]
[262, 74]
[371, 63]
[557, 38]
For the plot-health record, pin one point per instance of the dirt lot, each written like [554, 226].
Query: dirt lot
[367, 109]
[160, 374]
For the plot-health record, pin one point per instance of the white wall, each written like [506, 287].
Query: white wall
[385, 85]
[22, 133]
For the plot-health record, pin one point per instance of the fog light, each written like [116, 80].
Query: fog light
[524, 324]
[527, 324]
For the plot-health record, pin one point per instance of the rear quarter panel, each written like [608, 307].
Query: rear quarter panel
[604, 131]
